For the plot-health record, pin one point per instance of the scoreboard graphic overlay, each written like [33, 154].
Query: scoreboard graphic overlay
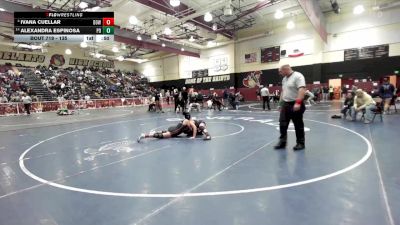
[63, 26]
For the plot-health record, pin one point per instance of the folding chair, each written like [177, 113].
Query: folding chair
[378, 111]
[393, 103]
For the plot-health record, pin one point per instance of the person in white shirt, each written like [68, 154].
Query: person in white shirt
[264, 92]
[27, 100]
[167, 96]
[3, 99]
[292, 106]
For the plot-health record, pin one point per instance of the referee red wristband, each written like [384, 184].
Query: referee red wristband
[299, 101]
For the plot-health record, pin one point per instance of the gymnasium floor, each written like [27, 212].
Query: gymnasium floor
[88, 169]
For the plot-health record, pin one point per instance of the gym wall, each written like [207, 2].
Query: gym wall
[319, 60]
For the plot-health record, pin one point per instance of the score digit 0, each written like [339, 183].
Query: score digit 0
[108, 21]
[108, 30]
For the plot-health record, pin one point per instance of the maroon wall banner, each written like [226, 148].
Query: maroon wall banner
[250, 58]
[18, 56]
[252, 79]
[272, 54]
[94, 63]
[57, 60]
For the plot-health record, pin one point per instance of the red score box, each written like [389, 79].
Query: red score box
[108, 21]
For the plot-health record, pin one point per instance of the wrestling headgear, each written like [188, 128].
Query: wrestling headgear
[186, 115]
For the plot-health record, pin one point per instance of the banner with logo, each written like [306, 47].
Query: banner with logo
[91, 63]
[57, 60]
[19, 56]
[213, 79]
[252, 79]
[272, 54]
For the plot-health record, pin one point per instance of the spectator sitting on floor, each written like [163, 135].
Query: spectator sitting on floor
[348, 104]
[363, 101]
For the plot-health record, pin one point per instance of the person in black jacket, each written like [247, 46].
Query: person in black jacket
[179, 103]
[185, 97]
[386, 92]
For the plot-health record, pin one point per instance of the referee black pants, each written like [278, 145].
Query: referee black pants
[266, 100]
[287, 114]
[27, 108]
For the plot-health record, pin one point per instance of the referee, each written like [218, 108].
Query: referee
[292, 106]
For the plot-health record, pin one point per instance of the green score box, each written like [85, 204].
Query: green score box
[108, 30]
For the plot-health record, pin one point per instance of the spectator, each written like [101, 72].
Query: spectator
[354, 89]
[216, 102]
[185, 96]
[3, 99]
[375, 91]
[157, 101]
[195, 101]
[325, 93]
[344, 92]
[234, 99]
[152, 105]
[363, 101]
[225, 95]
[317, 93]
[348, 104]
[26, 99]
[386, 92]
[264, 92]
[167, 96]
[331, 93]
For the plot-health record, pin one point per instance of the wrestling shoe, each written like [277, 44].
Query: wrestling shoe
[299, 146]
[140, 138]
[207, 138]
[281, 145]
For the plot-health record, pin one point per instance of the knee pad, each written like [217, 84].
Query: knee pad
[158, 135]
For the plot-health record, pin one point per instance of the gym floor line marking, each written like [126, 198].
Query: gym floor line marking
[65, 121]
[307, 110]
[198, 194]
[35, 157]
[381, 183]
[82, 171]
[213, 137]
[158, 210]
